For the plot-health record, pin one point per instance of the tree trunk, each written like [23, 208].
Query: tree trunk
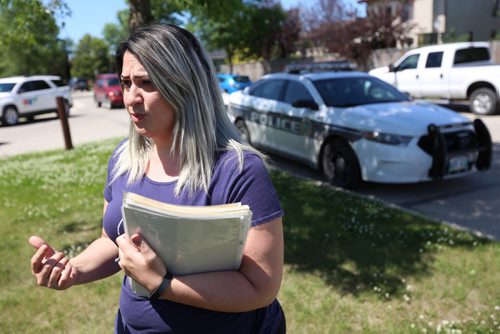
[140, 13]
[229, 56]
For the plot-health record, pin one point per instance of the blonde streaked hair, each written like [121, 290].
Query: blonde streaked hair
[181, 71]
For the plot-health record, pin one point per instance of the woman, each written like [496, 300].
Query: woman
[182, 149]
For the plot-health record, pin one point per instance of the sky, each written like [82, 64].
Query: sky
[90, 16]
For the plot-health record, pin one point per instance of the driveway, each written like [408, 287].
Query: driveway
[471, 202]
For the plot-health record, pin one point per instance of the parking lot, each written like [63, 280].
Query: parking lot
[471, 202]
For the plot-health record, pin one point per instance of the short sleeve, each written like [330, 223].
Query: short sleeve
[253, 186]
[108, 193]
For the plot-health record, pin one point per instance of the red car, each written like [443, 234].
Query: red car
[107, 91]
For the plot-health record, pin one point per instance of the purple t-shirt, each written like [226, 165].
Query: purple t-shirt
[251, 186]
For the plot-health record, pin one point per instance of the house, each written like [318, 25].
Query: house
[437, 21]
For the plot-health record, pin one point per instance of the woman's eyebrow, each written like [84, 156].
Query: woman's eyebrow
[140, 76]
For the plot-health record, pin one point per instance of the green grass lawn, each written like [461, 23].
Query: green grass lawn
[352, 265]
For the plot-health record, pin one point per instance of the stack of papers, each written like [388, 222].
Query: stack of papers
[189, 239]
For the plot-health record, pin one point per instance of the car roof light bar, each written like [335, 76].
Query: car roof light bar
[341, 65]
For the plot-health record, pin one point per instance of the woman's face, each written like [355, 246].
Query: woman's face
[151, 115]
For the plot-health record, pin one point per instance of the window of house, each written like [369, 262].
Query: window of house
[434, 59]
[407, 13]
[388, 10]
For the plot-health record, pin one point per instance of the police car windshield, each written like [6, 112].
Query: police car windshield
[355, 91]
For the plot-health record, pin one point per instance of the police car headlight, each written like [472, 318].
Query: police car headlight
[387, 138]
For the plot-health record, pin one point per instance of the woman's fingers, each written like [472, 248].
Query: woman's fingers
[47, 268]
[36, 241]
[50, 267]
[37, 260]
[55, 274]
[67, 276]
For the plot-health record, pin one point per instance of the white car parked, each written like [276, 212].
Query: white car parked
[27, 96]
[355, 127]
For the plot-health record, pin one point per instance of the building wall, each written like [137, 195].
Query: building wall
[458, 17]
[476, 16]
[423, 15]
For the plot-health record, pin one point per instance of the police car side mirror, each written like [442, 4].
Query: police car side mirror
[309, 104]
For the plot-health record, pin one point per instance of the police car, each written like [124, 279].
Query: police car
[355, 127]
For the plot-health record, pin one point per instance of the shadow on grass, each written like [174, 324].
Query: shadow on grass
[90, 229]
[356, 244]
[80, 226]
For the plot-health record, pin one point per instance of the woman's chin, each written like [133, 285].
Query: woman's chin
[140, 130]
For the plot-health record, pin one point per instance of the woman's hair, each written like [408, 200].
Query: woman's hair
[184, 76]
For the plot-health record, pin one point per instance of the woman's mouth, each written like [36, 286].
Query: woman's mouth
[137, 117]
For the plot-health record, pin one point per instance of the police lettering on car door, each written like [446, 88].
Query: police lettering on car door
[282, 122]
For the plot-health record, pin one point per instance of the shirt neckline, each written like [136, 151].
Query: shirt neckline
[161, 183]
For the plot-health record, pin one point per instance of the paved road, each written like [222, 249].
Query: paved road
[87, 123]
[471, 202]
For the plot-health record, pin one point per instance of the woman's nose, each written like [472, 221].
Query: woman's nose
[132, 96]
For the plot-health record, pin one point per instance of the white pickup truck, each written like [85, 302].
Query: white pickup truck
[452, 72]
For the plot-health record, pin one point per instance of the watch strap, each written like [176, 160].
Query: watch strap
[165, 283]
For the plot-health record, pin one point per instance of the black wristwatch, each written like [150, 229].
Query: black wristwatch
[165, 283]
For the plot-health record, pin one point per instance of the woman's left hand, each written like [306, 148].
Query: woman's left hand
[139, 261]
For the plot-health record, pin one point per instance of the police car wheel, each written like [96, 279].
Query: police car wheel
[242, 128]
[340, 164]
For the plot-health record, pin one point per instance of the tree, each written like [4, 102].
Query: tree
[204, 12]
[263, 24]
[91, 57]
[341, 31]
[157, 10]
[113, 33]
[219, 35]
[146, 11]
[289, 34]
[139, 13]
[29, 42]
[258, 29]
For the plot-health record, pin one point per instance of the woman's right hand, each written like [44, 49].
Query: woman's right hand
[51, 268]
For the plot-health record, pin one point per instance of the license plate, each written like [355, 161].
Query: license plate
[458, 164]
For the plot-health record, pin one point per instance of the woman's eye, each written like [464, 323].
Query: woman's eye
[126, 84]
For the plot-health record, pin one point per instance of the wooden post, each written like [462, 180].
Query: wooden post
[61, 111]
